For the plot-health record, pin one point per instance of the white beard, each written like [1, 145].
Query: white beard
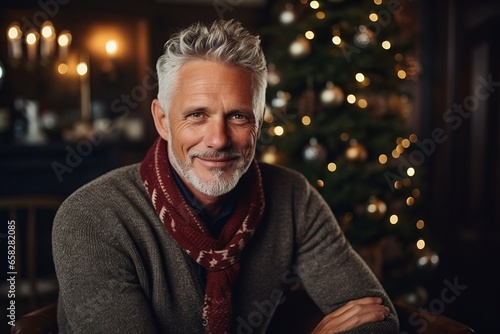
[219, 185]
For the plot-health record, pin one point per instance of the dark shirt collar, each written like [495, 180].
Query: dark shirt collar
[216, 224]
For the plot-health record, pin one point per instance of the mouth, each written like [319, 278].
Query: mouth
[222, 162]
[216, 162]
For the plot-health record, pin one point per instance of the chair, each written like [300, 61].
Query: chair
[35, 276]
[294, 318]
[298, 314]
[413, 320]
[41, 321]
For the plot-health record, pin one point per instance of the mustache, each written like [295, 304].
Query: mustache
[228, 154]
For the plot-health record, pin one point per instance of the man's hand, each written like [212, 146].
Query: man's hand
[353, 314]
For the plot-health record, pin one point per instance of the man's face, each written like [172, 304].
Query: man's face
[211, 126]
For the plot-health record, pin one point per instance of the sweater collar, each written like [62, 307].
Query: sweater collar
[216, 224]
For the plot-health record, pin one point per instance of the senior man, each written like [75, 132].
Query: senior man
[198, 236]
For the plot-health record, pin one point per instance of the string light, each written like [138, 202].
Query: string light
[63, 40]
[407, 182]
[314, 4]
[398, 185]
[351, 99]
[395, 154]
[62, 68]
[413, 138]
[48, 31]
[405, 143]
[373, 17]
[360, 77]
[386, 45]
[31, 38]
[393, 219]
[410, 201]
[81, 68]
[320, 15]
[416, 193]
[377, 2]
[309, 34]
[320, 183]
[410, 171]
[382, 159]
[421, 244]
[332, 167]
[336, 40]
[306, 120]
[14, 32]
[279, 130]
[362, 103]
[420, 224]
[344, 136]
[401, 74]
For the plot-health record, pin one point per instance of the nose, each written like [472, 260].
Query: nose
[217, 135]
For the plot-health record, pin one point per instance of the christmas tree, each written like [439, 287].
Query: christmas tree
[338, 113]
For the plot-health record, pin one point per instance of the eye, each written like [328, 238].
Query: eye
[240, 118]
[195, 115]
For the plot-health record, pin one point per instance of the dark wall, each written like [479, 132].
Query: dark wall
[461, 54]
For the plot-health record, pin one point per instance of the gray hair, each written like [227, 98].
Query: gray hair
[224, 41]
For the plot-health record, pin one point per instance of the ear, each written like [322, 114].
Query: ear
[160, 119]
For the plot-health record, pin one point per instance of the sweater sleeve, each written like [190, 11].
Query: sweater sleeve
[99, 288]
[330, 270]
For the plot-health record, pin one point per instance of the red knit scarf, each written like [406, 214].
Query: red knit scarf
[218, 256]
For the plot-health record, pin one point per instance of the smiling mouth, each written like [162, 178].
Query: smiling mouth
[210, 162]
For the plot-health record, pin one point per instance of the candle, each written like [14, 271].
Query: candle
[83, 71]
[14, 35]
[31, 44]
[64, 41]
[111, 48]
[47, 42]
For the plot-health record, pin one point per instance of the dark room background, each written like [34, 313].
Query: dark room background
[456, 94]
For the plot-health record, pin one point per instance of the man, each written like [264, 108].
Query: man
[199, 237]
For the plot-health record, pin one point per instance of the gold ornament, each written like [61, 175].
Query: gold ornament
[300, 48]
[332, 96]
[356, 152]
[376, 208]
[271, 155]
[287, 16]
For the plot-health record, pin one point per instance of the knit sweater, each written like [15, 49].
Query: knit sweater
[120, 271]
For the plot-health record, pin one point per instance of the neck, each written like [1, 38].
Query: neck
[211, 204]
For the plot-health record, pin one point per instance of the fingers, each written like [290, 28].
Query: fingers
[353, 314]
[355, 302]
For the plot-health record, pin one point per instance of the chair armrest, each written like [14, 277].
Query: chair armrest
[41, 321]
[413, 320]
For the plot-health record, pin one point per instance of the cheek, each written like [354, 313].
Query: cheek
[246, 139]
[184, 138]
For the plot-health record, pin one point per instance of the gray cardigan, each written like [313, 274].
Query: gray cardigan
[121, 272]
